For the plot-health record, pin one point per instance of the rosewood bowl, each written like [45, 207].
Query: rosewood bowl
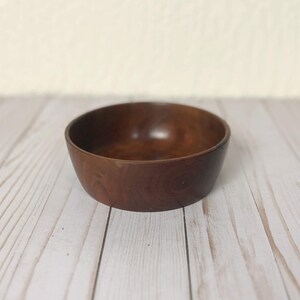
[147, 156]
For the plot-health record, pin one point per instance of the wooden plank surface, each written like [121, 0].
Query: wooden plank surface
[144, 256]
[241, 242]
[230, 254]
[16, 119]
[273, 173]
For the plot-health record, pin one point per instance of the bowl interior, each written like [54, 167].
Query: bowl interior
[146, 131]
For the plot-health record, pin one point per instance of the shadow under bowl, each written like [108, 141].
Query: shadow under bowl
[147, 156]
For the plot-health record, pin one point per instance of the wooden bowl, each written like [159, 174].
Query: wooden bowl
[147, 156]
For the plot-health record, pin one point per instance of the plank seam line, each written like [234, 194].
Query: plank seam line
[101, 254]
[187, 255]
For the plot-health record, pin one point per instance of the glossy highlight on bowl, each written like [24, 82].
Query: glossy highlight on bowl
[148, 156]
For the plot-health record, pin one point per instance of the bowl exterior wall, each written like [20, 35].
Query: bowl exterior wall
[148, 186]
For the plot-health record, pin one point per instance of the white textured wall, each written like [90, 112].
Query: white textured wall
[200, 48]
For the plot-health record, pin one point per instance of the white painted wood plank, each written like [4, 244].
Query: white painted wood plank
[41, 199]
[273, 171]
[60, 257]
[83, 278]
[64, 247]
[26, 179]
[28, 176]
[285, 116]
[144, 257]
[230, 255]
[42, 232]
[16, 118]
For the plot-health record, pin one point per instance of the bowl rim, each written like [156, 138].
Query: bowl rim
[132, 161]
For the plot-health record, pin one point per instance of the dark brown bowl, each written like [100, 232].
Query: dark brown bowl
[147, 156]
